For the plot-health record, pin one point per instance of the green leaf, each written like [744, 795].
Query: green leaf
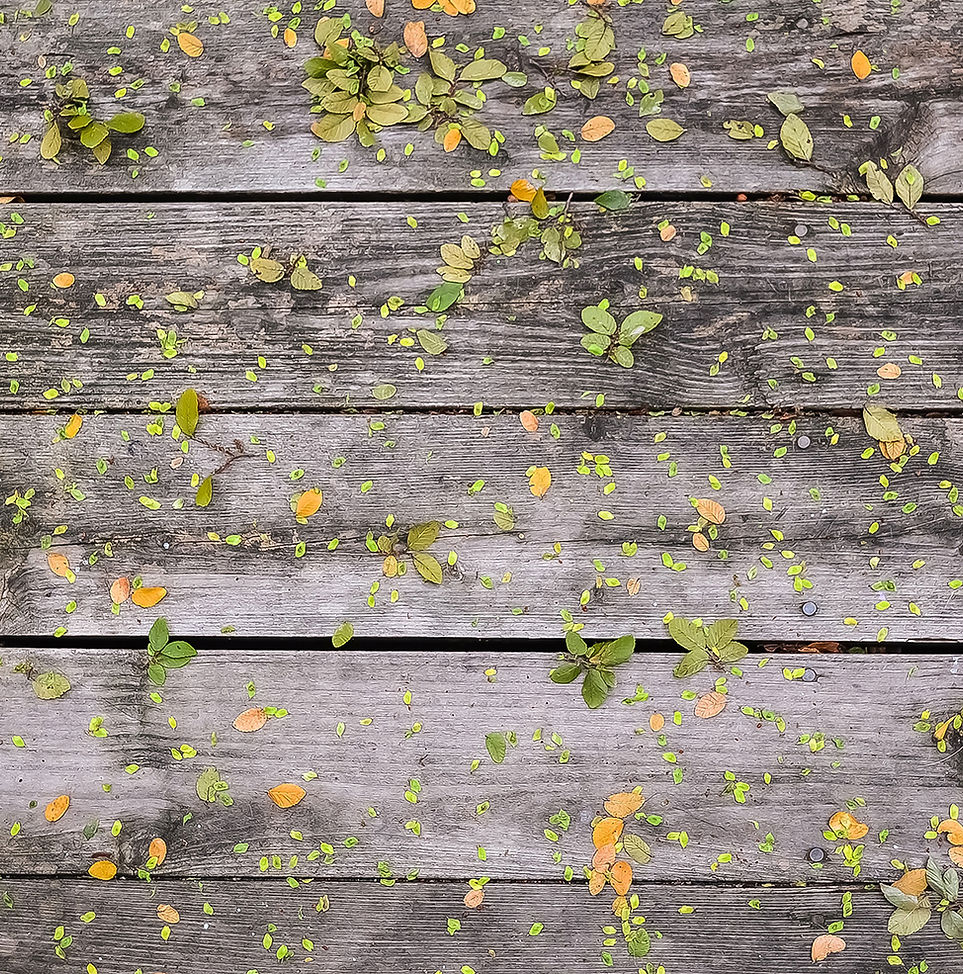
[878, 183]
[182, 300]
[423, 536]
[596, 344]
[384, 390]
[951, 883]
[267, 270]
[733, 652]
[637, 848]
[208, 783]
[721, 633]
[575, 644]
[909, 187]
[904, 923]
[175, 655]
[342, 635]
[389, 114]
[52, 142]
[442, 65]
[598, 320]
[93, 134]
[934, 877]
[896, 897]
[786, 102]
[304, 279]
[483, 69]
[187, 412]
[796, 138]
[622, 355]
[663, 129]
[693, 662]
[444, 296]
[615, 652]
[613, 200]
[431, 341]
[159, 635]
[636, 324]
[638, 942]
[540, 103]
[497, 746]
[205, 492]
[157, 674]
[565, 673]
[126, 122]
[594, 689]
[687, 634]
[50, 686]
[334, 128]
[515, 79]
[881, 424]
[427, 566]
[952, 925]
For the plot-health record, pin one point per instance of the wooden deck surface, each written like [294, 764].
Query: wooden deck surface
[485, 487]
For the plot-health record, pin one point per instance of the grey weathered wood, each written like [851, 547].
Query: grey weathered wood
[369, 928]
[246, 78]
[868, 705]
[825, 501]
[520, 315]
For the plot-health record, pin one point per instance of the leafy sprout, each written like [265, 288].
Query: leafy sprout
[595, 664]
[703, 644]
[615, 341]
[164, 654]
[418, 540]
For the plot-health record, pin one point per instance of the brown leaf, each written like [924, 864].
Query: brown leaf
[889, 371]
[120, 590]
[700, 542]
[711, 704]
[376, 7]
[656, 722]
[825, 945]
[309, 503]
[59, 564]
[167, 913]
[63, 280]
[913, 883]
[711, 510]
[473, 898]
[680, 74]
[597, 127]
[528, 420]
[250, 720]
[416, 40]
[847, 825]
[624, 803]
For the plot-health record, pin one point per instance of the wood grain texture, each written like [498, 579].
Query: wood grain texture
[865, 707]
[369, 928]
[237, 119]
[876, 556]
[513, 340]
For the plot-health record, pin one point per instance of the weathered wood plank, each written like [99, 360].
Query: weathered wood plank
[237, 118]
[877, 557]
[368, 928]
[865, 707]
[514, 339]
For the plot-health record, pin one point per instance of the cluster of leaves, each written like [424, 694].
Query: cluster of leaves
[615, 341]
[353, 85]
[711, 515]
[553, 226]
[418, 540]
[919, 894]
[75, 119]
[165, 654]
[908, 186]
[266, 268]
[703, 644]
[883, 426]
[650, 100]
[595, 664]
[459, 261]
[211, 788]
[595, 42]
[445, 102]
[794, 133]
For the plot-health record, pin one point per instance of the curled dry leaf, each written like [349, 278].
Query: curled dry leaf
[309, 503]
[912, 883]
[623, 804]
[952, 829]
[120, 590]
[192, 46]
[633, 586]
[167, 913]
[148, 596]
[72, 426]
[847, 826]
[524, 191]
[680, 74]
[102, 869]
[63, 280]
[286, 795]
[56, 809]
[621, 878]
[710, 704]
[416, 40]
[250, 720]
[474, 898]
[711, 510]
[607, 832]
[540, 481]
[59, 564]
[656, 722]
[597, 127]
[528, 420]
[157, 850]
[825, 945]
[860, 65]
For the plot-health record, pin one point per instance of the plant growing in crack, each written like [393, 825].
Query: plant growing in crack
[704, 644]
[595, 663]
[418, 540]
[165, 654]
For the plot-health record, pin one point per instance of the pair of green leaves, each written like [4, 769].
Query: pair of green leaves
[912, 913]
[420, 538]
[595, 664]
[164, 654]
[705, 644]
[606, 338]
[908, 186]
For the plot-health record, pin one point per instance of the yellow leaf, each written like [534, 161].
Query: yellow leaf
[102, 869]
[73, 426]
[597, 128]
[56, 809]
[192, 46]
[523, 190]
[540, 481]
[286, 795]
[148, 597]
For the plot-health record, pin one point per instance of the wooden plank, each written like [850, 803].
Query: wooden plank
[865, 708]
[877, 557]
[514, 340]
[237, 119]
[368, 928]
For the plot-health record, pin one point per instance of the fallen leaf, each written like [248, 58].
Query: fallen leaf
[913, 883]
[540, 481]
[711, 704]
[860, 65]
[309, 503]
[621, 878]
[597, 127]
[607, 832]
[889, 371]
[72, 426]
[59, 564]
[680, 74]
[604, 857]
[825, 945]
[286, 795]
[474, 898]
[656, 722]
[192, 46]
[290, 36]
[956, 854]
[120, 591]
[667, 233]
[148, 596]
[452, 139]
[376, 7]
[700, 542]
[623, 804]
[952, 829]
[524, 191]
[892, 449]
[528, 420]
[167, 913]
[596, 882]
[711, 510]
[416, 40]
[250, 720]
[63, 280]
[56, 809]
[844, 824]
[102, 869]
[157, 850]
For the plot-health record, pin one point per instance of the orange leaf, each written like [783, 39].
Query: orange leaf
[452, 138]
[656, 722]
[473, 898]
[914, 882]
[416, 40]
[309, 503]
[620, 906]
[192, 46]
[604, 857]
[953, 830]
[102, 869]
[286, 795]
[72, 427]
[422, 4]
[290, 36]
[956, 854]
[120, 590]
[597, 128]
[607, 832]
[528, 420]
[892, 449]
[523, 190]
[847, 826]
[157, 850]
[596, 882]
[59, 564]
[63, 280]
[825, 945]
[623, 804]
[680, 74]
[540, 481]
[711, 510]
[621, 878]
[376, 7]
[167, 913]
[251, 720]
[667, 233]
[889, 371]
[56, 809]
[711, 704]
[700, 542]
[461, 6]
[147, 597]
[861, 66]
